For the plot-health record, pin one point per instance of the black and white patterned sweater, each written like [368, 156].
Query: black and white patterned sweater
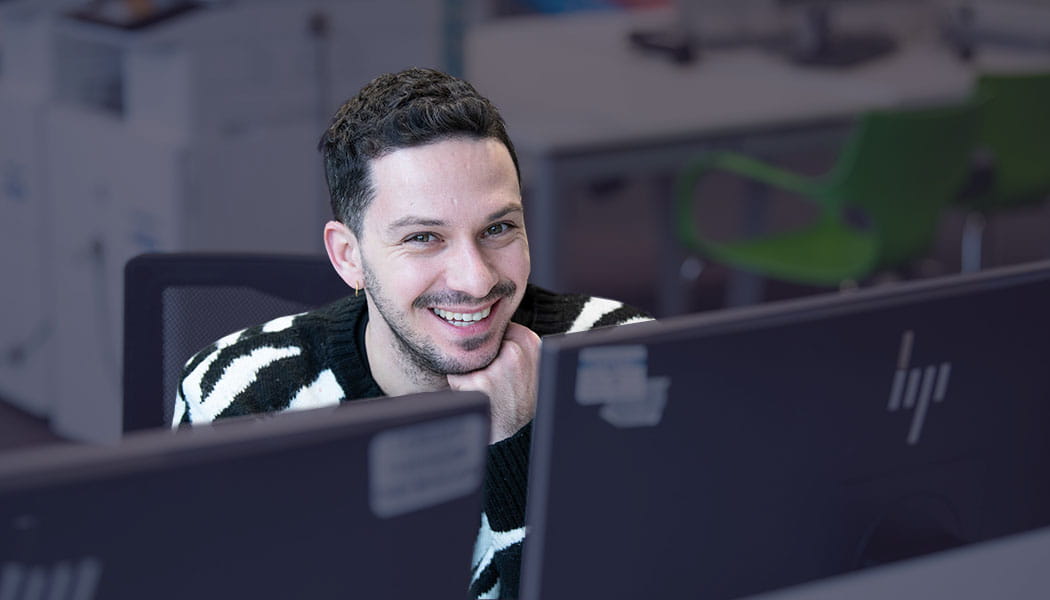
[317, 358]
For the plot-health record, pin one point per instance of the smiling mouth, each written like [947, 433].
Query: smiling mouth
[462, 319]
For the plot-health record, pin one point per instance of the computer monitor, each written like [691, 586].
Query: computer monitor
[372, 499]
[725, 454]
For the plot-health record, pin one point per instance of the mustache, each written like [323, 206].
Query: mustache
[503, 289]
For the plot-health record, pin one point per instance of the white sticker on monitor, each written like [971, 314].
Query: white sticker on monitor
[76, 578]
[417, 466]
[612, 374]
[647, 413]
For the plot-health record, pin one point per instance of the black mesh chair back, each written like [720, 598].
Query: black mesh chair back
[177, 303]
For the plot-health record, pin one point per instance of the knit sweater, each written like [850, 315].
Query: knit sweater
[318, 358]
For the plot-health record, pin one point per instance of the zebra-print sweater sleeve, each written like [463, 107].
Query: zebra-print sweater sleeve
[261, 369]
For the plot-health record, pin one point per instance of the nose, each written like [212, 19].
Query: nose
[470, 271]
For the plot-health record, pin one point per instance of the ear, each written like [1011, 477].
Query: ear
[344, 252]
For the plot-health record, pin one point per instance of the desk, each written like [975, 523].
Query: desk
[581, 104]
[1009, 567]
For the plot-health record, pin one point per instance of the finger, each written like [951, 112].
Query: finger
[466, 381]
[524, 338]
[521, 335]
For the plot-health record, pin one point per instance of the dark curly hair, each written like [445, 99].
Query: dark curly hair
[399, 110]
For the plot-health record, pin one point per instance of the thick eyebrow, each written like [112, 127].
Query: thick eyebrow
[411, 221]
[499, 214]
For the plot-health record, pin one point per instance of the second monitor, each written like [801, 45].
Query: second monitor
[372, 499]
[727, 454]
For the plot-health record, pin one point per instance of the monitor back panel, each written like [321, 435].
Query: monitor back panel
[377, 499]
[729, 454]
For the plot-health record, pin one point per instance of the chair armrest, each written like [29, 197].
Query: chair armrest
[810, 188]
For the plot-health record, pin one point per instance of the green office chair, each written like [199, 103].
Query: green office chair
[897, 172]
[1015, 132]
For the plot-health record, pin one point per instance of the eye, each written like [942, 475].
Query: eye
[421, 238]
[497, 229]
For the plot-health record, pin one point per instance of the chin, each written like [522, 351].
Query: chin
[461, 363]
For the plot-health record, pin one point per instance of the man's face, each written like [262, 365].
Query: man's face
[444, 252]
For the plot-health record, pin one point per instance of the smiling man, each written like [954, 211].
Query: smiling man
[429, 225]
[444, 259]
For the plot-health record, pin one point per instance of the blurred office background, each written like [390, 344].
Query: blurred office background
[151, 125]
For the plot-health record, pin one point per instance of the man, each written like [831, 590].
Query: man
[430, 234]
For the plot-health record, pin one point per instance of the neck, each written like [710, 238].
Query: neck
[396, 373]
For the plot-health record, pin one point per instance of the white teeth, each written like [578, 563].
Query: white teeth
[462, 319]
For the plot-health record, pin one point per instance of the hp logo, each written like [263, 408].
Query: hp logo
[916, 387]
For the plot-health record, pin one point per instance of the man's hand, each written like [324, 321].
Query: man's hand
[509, 381]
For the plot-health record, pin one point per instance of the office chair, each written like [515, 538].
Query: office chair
[879, 206]
[176, 304]
[1014, 137]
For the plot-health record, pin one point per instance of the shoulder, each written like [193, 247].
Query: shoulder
[279, 332]
[274, 366]
[547, 312]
